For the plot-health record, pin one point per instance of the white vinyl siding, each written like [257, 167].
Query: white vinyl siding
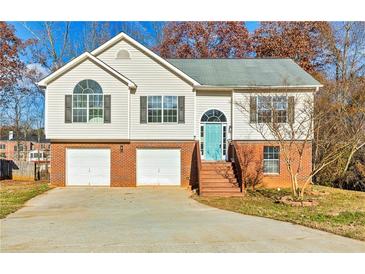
[152, 78]
[241, 122]
[56, 128]
[206, 100]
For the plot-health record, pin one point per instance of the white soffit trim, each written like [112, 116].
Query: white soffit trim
[86, 55]
[145, 50]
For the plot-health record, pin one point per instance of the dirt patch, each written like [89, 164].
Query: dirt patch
[288, 200]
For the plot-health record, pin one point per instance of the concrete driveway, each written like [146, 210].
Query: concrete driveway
[160, 219]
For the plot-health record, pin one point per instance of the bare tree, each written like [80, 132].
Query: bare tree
[53, 44]
[345, 41]
[344, 121]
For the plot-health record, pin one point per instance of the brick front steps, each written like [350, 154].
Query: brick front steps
[218, 179]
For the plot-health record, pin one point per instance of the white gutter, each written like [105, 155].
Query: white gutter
[205, 87]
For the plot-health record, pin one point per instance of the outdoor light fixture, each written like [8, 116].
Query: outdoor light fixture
[121, 148]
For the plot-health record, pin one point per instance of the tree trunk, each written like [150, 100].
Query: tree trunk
[349, 158]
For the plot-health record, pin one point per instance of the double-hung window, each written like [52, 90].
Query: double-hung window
[271, 160]
[272, 109]
[162, 109]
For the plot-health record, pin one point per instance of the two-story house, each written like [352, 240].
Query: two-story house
[29, 148]
[123, 116]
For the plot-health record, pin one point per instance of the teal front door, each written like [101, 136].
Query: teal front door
[213, 142]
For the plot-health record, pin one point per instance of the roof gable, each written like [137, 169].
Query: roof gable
[73, 63]
[163, 62]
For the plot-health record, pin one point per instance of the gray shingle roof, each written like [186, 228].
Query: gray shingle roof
[245, 72]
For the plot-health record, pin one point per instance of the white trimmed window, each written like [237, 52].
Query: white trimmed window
[271, 160]
[162, 109]
[87, 102]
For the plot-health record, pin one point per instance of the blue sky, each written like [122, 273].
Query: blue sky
[76, 27]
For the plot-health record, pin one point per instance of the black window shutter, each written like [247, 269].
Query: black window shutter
[291, 110]
[68, 108]
[107, 108]
[143, 110]
[253, 109]
[181, 109]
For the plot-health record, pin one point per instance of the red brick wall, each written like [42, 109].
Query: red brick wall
[283, 178]
[123, 164]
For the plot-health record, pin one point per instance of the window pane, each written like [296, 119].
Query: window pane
[94, 86]
[264, 116]
[83, 84]
[80, 101]
[280, 102]
[280, 105]
[95, 101]
[95, 115]
[79, 115]
[264, 109]
[87, 87]
[154, 102]
[213, 115]
[271, 159]
[213, 119]
[154, 109]
[170, 109]
[154, 115]
[264, 103]
[280, 116]
[78, 89]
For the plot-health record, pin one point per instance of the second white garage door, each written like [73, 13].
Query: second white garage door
[158, 167]
[88, 167]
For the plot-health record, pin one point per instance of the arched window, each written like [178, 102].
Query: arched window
[123, 54]
[214, 115]
[87, 103]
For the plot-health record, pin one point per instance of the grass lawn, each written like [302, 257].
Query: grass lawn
[13, 194]
[339, 211]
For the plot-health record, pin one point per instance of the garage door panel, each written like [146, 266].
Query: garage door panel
[158, 167]
[88, 167]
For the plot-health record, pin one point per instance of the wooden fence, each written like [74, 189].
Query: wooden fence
[23, 171]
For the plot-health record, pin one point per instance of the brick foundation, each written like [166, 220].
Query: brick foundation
[123, 164]
[283, 178]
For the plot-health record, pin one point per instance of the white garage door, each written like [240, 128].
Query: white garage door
[88, 167]
[158, 167]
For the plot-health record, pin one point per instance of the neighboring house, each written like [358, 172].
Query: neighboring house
[25, 149]
[123, 116]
